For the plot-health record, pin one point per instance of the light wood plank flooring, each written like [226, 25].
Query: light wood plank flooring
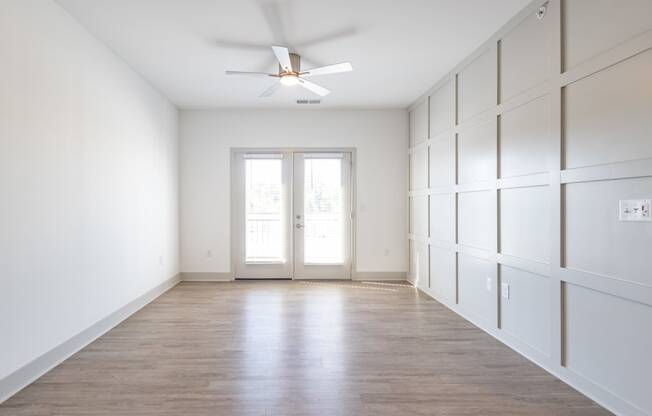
[297, 348]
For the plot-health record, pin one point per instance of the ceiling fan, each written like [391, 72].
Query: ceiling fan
[290, 73]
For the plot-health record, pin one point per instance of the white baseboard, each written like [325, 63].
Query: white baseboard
[27, 374]
[206, 277]
[379, 276]
[409, 278]
[228, 276]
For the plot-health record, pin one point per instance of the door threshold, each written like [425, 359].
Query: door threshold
[323, 279]
[263, 278]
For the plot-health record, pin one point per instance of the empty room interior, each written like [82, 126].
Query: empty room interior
[338, 208]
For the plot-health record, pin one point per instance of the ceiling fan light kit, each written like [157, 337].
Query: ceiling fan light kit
[290, 73]
[289, 79]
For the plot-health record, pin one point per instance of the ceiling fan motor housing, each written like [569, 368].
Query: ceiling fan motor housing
[295, 60]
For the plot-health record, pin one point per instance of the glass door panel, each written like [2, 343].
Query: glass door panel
[322, 215]
[263, 210]
[323, 211]
[261, 193]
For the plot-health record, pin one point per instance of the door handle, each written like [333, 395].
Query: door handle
[299, 225]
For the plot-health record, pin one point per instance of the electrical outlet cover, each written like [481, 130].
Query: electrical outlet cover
[634, 210]
[504, 288]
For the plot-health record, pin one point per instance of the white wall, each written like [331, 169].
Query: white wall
[88, 182]
[528, 159]
[206, 138]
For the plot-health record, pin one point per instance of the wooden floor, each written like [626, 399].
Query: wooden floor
[297, 348]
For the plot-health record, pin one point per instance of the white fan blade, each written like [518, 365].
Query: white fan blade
[317, 89]
[271, 90]
[255, 74]
[328, 69]
[283, 56]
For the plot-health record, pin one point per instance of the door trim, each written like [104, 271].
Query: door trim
[321, 271]
[232, 202]
[249, 270]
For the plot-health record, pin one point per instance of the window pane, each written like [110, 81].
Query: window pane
[263, 210]
[323, 199]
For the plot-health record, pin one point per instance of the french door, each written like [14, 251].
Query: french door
[292, 215]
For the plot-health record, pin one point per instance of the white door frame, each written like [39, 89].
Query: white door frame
[234, 206]
[303, 270]
[272, 269]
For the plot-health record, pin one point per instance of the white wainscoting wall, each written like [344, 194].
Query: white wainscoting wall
[518, 160]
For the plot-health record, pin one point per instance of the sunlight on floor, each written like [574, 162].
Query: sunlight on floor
[359, 286]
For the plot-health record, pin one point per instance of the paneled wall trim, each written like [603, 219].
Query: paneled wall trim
[518, 160]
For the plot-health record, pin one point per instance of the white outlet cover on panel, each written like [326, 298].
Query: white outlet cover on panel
[634, 210]
[488, 284]
[504, 289]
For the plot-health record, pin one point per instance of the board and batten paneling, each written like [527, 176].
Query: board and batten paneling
[442, 161]
[419, 215]
[525, 222]
[525, 139]
[608, 338]
[476, 153]
[524, 57]
[608, 114]
[419, 168]
[527, 292]
[419, 124]
[476, 219]
[596, 241]
[420, 264]
[532, 141]
[443, 279]
[476, 287]
[442, 217]
[442, 109]
[595, 26]
[476, 85]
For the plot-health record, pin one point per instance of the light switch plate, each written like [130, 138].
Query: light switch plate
[488, 284]
[634, 210]
[504, 290]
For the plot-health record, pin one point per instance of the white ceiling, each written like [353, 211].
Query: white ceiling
[398, 48]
